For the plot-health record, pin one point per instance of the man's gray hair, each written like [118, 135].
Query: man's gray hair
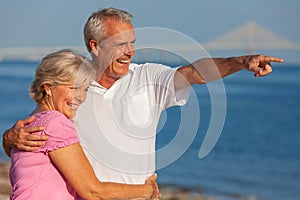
[94, 27]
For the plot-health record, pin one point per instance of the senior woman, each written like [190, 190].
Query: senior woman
[60, 169]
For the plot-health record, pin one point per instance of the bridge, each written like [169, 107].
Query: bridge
[249, 36]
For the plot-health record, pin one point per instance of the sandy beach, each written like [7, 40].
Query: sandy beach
[5, 188]
[168, 192]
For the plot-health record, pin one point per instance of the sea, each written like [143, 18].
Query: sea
[257, 155]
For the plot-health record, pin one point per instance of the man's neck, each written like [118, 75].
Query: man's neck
[106, 81]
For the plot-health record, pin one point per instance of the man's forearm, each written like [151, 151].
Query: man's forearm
[210, 69]
[206, 70]
[227, 66]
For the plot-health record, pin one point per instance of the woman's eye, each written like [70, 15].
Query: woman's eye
[74, 88]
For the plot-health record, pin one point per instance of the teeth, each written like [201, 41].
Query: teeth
[74, 106]
[123, 61]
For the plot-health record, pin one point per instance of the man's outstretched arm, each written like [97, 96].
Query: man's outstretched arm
[20, 137]
[209, 69]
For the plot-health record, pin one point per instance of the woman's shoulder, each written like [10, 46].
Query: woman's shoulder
[43, 118]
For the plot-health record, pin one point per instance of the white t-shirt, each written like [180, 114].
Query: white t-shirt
[117, 127]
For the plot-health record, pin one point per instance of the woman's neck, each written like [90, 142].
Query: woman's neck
[41, 108]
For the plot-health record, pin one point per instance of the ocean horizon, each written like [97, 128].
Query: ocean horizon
[257, 155]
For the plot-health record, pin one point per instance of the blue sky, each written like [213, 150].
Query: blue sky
[33, 23]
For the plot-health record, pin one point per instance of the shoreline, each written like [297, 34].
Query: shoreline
[168, 192]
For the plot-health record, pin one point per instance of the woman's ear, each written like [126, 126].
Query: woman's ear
[47, 89]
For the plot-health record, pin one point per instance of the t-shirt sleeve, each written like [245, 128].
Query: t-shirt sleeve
[61, 133]
[163, 76]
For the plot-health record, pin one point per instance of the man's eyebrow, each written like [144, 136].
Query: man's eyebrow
[124, 42]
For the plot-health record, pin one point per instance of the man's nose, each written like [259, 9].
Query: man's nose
[129, 49]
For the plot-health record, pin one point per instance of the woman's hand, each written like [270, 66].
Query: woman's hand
[152, 181]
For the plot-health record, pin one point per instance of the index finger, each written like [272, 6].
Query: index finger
[272, 59]
[36, 138]
[23, 122]
[33, 129]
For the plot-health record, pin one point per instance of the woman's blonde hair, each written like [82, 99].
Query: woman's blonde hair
[61, 67]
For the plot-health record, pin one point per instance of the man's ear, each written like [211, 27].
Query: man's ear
[94, 47]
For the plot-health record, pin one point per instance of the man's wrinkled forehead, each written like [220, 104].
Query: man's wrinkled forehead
[114, 27]
[119, 35]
